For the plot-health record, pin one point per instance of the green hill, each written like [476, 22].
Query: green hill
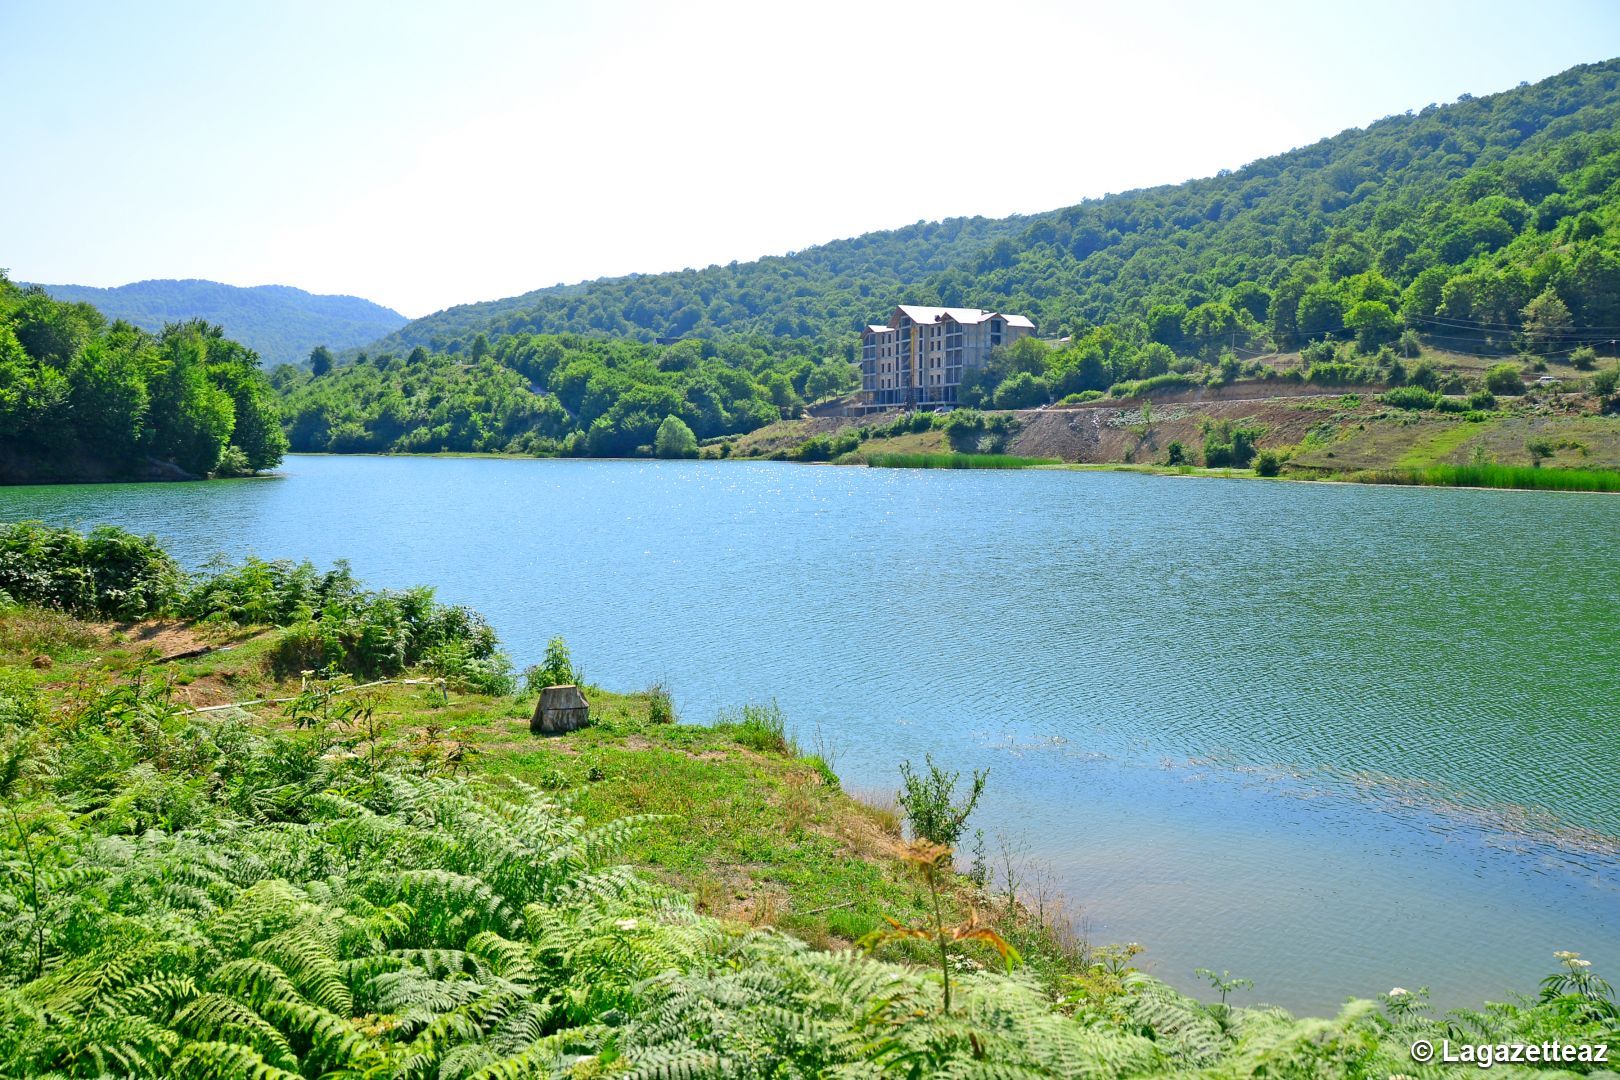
[280, 323]
[1464, 212]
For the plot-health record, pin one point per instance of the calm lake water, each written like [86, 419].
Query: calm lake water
[1330, 738]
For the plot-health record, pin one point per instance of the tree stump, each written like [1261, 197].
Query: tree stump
[560, 709]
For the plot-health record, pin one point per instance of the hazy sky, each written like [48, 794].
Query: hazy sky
[423, 156]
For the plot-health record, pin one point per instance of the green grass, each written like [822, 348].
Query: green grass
[748, 824]
[1519, 477]
[955, 461]
[1430, 451]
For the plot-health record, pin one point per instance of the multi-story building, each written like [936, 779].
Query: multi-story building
[917, 360]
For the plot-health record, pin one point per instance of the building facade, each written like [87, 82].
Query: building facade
[917, 360]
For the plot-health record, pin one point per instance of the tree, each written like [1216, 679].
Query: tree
[1021, 391]
[830, 378]
[1547, 322]
[1210, 325]
[1422, 298]
[1321, 312]
[1246, 296]
[675, 439]
[320, 361]
[1504, 379]
[108, 399]
[1373, 323]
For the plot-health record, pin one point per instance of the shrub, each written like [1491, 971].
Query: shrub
[1340, 373]
[256, 592]
[827, 447]
[557, 669]
[759, 727]
[963, 429]
[660, 703]
[1175, 453]
[1170, 381]
[1504, 379]
[674, 439]
[1583, 358]
[304, 647]
[1319, 352]
[1482, 400]
[1409, 397]
[1227, 445]
[1606, 381]
[1424, 375]
[107, 573]
[1410, 345]
[1269, 462]
[1022, 391]
[929, 801]
[459, 664]
[1082, 397]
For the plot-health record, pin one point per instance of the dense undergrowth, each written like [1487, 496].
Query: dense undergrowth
[224, 895]
[328, 620]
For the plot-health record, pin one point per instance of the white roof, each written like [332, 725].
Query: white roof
[878, 328]
[966, 316]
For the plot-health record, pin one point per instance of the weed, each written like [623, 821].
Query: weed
[933, 862]
[929, 800]
[761, 727]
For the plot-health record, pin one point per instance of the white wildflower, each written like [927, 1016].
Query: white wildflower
[628, 924]
[1399, 992]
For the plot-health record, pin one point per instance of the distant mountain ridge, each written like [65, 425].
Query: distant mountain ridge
[279, 322]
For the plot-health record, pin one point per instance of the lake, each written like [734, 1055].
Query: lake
[1331, 738]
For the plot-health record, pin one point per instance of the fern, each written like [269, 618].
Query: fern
[298, 918]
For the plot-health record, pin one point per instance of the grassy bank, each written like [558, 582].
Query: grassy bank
[954, 461]
[1520, 477]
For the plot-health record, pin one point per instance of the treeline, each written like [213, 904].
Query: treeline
[552, 394]
[80, 395]
[1488, 224]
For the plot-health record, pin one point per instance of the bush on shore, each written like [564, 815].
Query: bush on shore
[328, 620]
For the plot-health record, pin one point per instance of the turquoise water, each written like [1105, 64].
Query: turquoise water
[1331, 738]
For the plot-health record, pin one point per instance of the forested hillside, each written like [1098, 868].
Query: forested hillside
[550, 394]
[280, 323]
[1452, 219]
[84, 399]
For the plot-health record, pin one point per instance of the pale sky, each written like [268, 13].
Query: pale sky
[423, 156]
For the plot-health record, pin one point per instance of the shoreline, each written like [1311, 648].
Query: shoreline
[1184, 471]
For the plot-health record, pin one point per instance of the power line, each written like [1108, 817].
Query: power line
[1470, 324]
